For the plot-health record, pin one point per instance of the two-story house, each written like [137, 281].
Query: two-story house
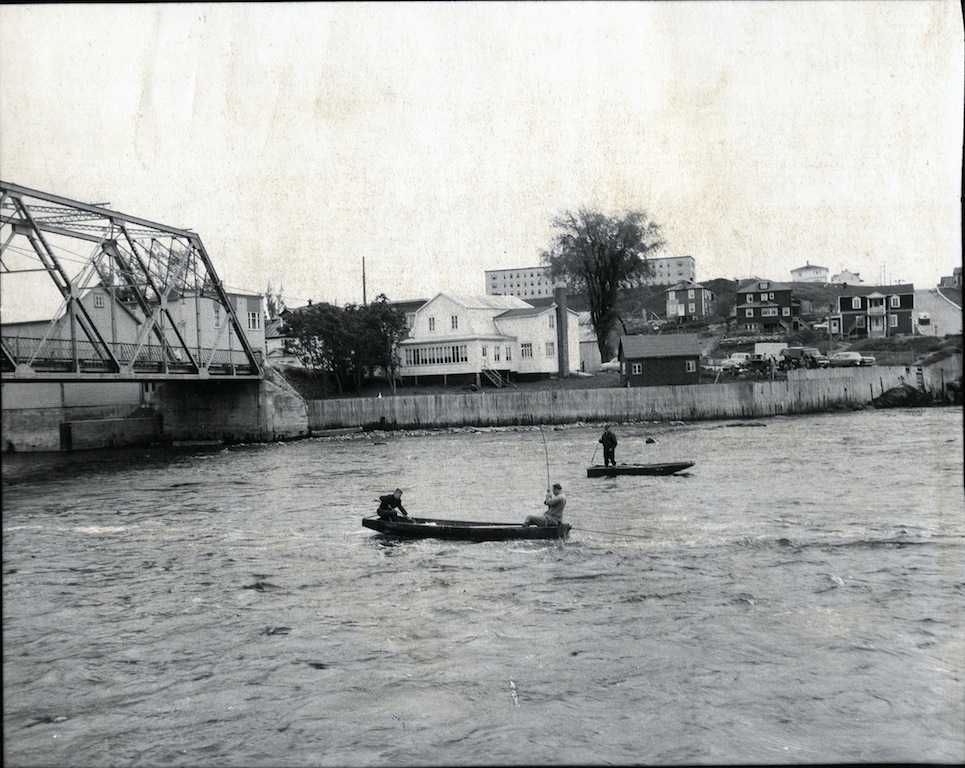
[868, 311]
[688, 301]
[809, 273]
[648, 360]
[763, 305]
[496, 337]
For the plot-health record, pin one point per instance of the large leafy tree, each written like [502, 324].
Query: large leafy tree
[348, 343]
[599, 255]
[382, 327]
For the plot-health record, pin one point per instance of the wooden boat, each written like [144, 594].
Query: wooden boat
[668, 468]
[463, 530]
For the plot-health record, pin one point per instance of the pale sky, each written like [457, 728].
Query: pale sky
[439, 140]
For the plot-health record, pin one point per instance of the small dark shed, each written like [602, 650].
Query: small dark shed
[651, 360]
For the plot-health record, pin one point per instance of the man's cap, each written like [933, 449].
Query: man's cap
[557, 485]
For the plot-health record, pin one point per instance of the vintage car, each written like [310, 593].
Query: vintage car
[850, 359]
[803, 357]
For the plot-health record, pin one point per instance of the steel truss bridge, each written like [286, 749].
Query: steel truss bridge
[142, 270]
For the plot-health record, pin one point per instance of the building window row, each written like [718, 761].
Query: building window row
[452, 353]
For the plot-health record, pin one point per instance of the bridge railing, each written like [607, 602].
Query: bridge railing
[64, 355]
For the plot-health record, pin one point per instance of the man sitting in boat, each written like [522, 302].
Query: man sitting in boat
[555, 501]
[390, 505]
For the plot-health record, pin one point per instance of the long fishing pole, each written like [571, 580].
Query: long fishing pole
[546, 456]
[594, 454]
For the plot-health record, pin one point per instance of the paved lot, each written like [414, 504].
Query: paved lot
[946, 317]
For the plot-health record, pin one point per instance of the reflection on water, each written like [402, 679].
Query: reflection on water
[795, 597]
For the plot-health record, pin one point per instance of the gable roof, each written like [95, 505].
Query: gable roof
[663, 345]
[471, 301]
[687, 285]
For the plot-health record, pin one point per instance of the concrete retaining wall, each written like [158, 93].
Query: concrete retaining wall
[111, 433]
[41, 429]
[802, 392]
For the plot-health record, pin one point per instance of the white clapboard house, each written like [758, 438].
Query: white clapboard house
[488, 340]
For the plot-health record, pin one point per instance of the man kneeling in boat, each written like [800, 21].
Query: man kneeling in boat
[390, 505]
[555, 501]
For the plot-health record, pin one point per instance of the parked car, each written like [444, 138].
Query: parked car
[850, 359]
[803, 357]
[761, 364]
[737, 361]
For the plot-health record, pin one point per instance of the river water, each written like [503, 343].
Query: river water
[795, 597]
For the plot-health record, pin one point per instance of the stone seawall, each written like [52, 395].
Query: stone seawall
[802, 392]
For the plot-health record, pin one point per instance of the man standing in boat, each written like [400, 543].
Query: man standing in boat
[388, 505]
[555, 501]
[609, 441]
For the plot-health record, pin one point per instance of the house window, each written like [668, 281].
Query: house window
[525, 349]
[691, 366]
[763, 297]
[495, 354]
[693, 308]
[856, 302]
[254, 321]
[432, 323]
[217, 316]
[786, 311]
[485, 351]
[893, 321]
[895, 302]
[552, 321]
[768, 311]
[551, 349]
[771, 295]
[749, 312]
[509, 354]
[456, 353]
[98, 300]
[455, 322]
[859, 321]
[636, 368]
[690, 293]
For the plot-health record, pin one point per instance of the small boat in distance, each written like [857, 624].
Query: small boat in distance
[667, 468]
[463, 530]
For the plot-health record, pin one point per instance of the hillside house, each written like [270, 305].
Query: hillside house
[874, 311]
[763, 305]
[496, 337]
[689, 301]
[654, 360]
[809, 273]
[846, 276]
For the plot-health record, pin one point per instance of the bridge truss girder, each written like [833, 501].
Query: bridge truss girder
[142, 265]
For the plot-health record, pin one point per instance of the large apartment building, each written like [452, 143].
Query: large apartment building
[534, 282]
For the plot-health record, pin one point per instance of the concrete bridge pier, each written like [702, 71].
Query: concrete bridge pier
[232, 411]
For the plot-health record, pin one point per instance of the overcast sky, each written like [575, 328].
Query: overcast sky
[439, 140]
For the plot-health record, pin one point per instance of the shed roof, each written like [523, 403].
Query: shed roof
[663, 345]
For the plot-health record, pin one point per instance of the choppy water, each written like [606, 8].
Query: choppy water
[796, 598]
